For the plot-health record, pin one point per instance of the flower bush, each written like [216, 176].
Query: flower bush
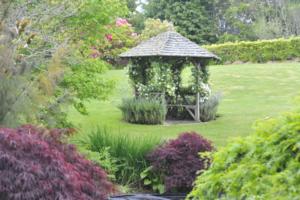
[120, 36]
[264, 165]
[122, 22]
[35, 164]
[177, 161]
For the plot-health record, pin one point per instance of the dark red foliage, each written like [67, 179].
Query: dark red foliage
[35, 164]
[178, 161]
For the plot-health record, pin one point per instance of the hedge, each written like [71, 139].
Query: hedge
[258, 51]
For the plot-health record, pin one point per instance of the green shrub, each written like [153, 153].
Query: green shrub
[102, 158]
[126, 155]
[258, 51]
[143, 111]
[209, 108]
[264, 165]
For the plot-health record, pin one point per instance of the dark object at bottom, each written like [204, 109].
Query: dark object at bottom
[137, 197]
[148, 197]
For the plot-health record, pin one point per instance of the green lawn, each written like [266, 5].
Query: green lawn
[250, 92]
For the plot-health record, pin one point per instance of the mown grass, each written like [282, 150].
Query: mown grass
[250, 92]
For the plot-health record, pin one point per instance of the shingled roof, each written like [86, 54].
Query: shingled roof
[168, 44]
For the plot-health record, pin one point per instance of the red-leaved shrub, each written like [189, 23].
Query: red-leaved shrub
[35, 164]
[178, 161]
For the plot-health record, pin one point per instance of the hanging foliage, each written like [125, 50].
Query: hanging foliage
[200, 82]
[160, 80]
[160, 76]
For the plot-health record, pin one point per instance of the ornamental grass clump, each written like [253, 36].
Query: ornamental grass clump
[35, 164]
[177, 161]
[264, 165]
[209, 108]
[127, 152]
[144, 111]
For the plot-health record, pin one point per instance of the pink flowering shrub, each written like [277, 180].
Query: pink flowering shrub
[35, 164]
[109, 37]
[122, 22]
[118, 38]
[178, 161]
[95, 53]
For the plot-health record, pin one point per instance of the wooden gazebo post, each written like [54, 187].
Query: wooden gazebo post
[197, 106]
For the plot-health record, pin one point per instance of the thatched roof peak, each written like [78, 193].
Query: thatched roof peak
[168, 44]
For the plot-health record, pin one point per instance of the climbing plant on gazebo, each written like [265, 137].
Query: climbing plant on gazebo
[155, 70]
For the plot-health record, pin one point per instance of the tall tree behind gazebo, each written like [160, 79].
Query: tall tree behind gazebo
[174, 49]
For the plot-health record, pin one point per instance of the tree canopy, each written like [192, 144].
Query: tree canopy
[206, 21]
[192, 18]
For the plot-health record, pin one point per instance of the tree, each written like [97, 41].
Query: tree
[131, 4]
[236, 18]
[229, 20]
[155, 26]
[44, 43]
[137, 19]
[258, 19]
[17, 92]
[193, 19]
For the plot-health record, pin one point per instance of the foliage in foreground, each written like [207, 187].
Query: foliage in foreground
[258, 51]
[176, 163]
[35, 164]
[125, 156]
[264, 165]
[143, 111]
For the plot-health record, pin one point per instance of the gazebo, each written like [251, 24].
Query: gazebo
[172, 48]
